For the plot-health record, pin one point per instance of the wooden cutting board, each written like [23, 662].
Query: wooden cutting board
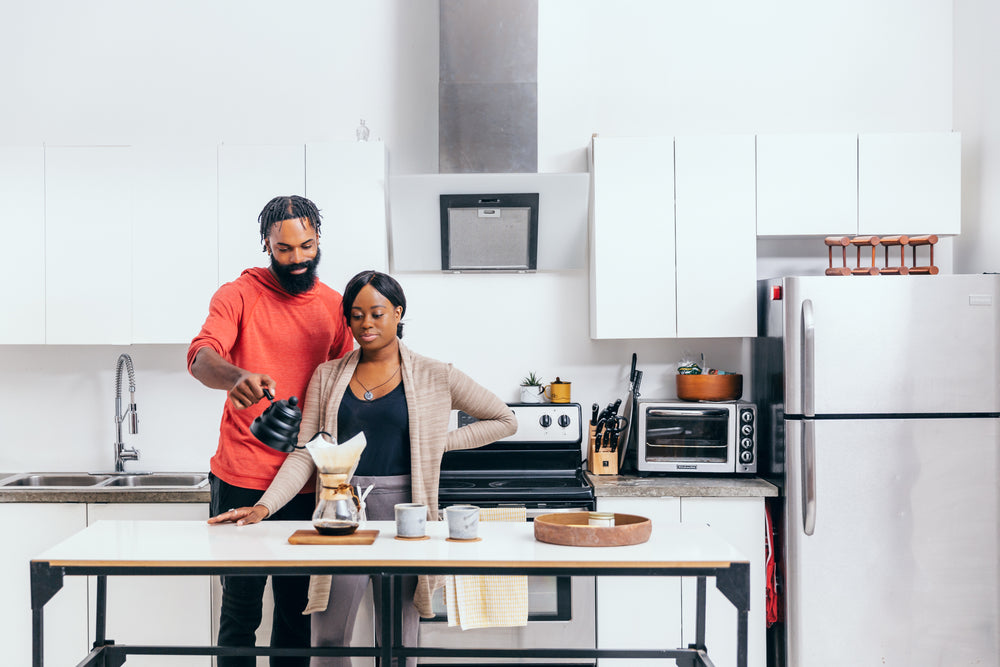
[313, 537]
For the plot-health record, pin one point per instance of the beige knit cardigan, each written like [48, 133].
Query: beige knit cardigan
[433, 389]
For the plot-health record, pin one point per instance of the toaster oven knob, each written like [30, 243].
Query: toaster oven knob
[545, 421]
[746, 443]
[746, 429]
[564, 420]
[747, 416]
[746, 456]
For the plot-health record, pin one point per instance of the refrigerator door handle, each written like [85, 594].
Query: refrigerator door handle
[808, 461]
[808, 361]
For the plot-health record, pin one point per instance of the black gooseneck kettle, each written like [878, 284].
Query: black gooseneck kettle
[278, 426]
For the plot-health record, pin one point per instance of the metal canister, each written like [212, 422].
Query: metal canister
[605, 519]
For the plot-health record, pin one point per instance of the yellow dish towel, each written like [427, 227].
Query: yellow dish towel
[488, 601]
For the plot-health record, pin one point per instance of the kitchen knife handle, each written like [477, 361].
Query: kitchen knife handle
[808, 476]
[808, 360]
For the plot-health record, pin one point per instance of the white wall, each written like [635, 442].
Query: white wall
[977, 113]
[250, 71]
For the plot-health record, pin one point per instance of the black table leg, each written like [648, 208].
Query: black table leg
[101, 606]
[46, 581]
[734, 583]
[386, 620]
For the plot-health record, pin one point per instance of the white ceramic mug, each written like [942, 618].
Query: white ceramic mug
[463, 521]
[531, 393]
[411, 519]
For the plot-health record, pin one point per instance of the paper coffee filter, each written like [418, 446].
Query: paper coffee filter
[331, 457]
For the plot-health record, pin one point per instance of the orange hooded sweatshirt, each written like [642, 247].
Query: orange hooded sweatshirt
[256, 325]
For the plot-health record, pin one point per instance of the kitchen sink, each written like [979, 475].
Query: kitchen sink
[69, 481]
[158, 479]
[54, 479]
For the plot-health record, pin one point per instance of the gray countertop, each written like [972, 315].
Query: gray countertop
[610, 486]
[606, 486]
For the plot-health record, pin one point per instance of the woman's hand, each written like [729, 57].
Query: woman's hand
[242, 516]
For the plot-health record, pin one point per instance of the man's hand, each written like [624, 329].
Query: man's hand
[244, 388]
[249, 389]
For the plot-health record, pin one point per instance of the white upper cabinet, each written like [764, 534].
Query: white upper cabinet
[22, 188]
[632, 280]
[807, 185]
[176, 241]
[88, 245]
[346, 180]
[126, 244]
[716, 242]
[657, 273]
[249, 177]
[910, 183]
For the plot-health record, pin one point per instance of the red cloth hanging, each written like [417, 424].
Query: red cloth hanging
[770, 573]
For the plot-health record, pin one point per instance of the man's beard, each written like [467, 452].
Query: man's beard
[296, 283]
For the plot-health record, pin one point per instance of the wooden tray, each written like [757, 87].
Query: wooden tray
[313, 537]
[571, 529]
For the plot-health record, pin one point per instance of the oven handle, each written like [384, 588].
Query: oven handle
[532, 512]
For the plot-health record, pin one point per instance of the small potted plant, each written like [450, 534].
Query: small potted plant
[531, 388]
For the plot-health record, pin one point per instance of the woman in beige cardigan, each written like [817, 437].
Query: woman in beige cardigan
[402, 401]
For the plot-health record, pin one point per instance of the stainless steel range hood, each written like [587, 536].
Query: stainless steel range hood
[488, 86]
[488, 140]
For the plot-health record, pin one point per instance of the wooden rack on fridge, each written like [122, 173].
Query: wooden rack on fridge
[870, 268]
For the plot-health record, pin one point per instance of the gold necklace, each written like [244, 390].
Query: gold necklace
[368, 392]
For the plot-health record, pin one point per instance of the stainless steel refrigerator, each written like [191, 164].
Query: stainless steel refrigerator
[879, 404]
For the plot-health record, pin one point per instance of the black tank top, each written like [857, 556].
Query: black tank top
[386, 425]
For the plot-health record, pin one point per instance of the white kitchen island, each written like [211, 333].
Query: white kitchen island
[130, 548]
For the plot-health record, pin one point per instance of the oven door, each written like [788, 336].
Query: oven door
[561, 612]
[687, 439]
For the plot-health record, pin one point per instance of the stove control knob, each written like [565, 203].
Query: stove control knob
[564, 420]
[545, 421]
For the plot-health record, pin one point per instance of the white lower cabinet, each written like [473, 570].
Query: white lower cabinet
[741, 522]
[632, 615]
[162, 610]
[639, 612]
[31, 528]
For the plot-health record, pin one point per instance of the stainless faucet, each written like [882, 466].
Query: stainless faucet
[123, 453]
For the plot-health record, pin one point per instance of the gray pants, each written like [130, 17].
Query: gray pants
[335, 625]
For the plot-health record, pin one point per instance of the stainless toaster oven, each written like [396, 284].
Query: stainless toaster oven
[696, 437]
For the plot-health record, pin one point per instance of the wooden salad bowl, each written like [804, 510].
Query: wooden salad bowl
[572, 529]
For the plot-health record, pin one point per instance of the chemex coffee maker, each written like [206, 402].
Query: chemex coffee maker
[339, 509]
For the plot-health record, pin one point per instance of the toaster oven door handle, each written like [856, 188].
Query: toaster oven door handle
[661, 432]
[714, 412]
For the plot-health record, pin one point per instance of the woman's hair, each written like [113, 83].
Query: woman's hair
[384, 284]
[287, 208]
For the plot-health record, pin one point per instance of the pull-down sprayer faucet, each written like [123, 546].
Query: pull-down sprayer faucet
[122, 453]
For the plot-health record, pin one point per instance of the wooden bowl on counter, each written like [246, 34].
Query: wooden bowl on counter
[572, 529]
[727, 387]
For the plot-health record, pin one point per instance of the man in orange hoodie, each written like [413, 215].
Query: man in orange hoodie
[269, 328]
